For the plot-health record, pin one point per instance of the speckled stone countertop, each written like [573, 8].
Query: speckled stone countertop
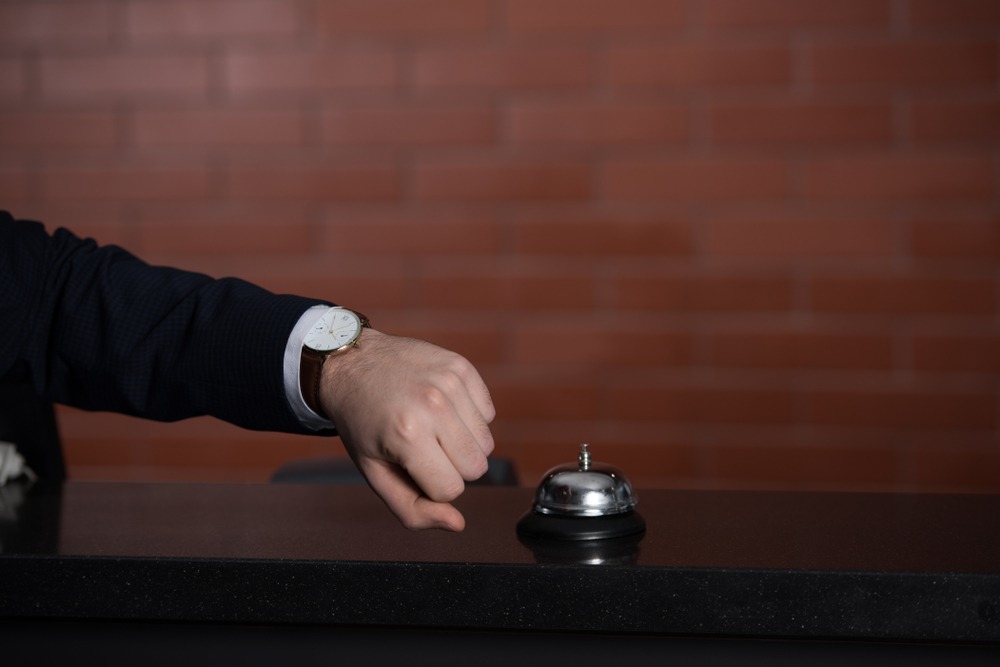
[733, 564]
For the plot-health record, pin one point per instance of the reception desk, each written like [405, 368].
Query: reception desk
[264, 573]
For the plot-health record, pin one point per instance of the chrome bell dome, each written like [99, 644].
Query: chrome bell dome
[585, 489]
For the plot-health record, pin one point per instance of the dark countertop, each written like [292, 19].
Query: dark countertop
[731, 564]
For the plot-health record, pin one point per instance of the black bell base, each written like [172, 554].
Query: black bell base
[611, 551]
[536, 526]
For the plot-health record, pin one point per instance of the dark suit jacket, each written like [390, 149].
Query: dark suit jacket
[95, 327]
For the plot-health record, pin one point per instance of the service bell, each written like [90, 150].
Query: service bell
[585, 500]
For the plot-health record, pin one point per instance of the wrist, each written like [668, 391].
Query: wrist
[343, 374]
[336, 332]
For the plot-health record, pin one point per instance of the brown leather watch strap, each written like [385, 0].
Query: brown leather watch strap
[310, 371]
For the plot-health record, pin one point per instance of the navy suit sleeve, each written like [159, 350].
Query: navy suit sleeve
[97, 328]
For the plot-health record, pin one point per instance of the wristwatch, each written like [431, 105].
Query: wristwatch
[336, 331]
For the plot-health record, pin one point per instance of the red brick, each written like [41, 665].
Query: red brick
[97, 451]
[505, 288]
[505, 181]
[900, 177]
[57, 130]
[197, 19]
[903, 409]
[791, 14]
[318, 183]
[257, 73]
[799, 350]
[14, 186]
[904, 295]
[800, 237]
[587, 345]
[936, 13]
[405, 125]
[479, 346]
[601, 124]
[544, 400]
[405, 18]
[88, 424]
[957, 238]
[51, 23]
[659, 464]
[107, 231]
[701, 405]
[93, 424]
[969, 353]
[99, 220]
[147, 474]
[137, 75]
[794, 124]
[420, 234]
[235, 127]
[958, 468]
[129, 183]
[12, 79]
[499, 67]
[222, 453]
[696, 178]
[904, 63]
[593, 16]
[955, 121]
[809, 466]
[224, 232]
[699, 65]
[700, 293]
[652, 464]
[594, 235]
[368, 286]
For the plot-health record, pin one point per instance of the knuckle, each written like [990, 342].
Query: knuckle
[459, 365]
[450, 382]
[433, 397]
[405, 428]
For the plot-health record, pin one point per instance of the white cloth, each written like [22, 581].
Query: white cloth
[293, 362]
[12, 464]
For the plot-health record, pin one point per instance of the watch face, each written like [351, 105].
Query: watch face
[337, 329]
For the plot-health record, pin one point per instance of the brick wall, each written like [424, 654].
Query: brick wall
[730, 243]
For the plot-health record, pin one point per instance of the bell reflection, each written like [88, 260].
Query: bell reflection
[614, 551]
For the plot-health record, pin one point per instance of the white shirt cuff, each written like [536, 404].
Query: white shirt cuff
[293, 363]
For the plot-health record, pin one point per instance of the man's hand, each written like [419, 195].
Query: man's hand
[415, 419]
